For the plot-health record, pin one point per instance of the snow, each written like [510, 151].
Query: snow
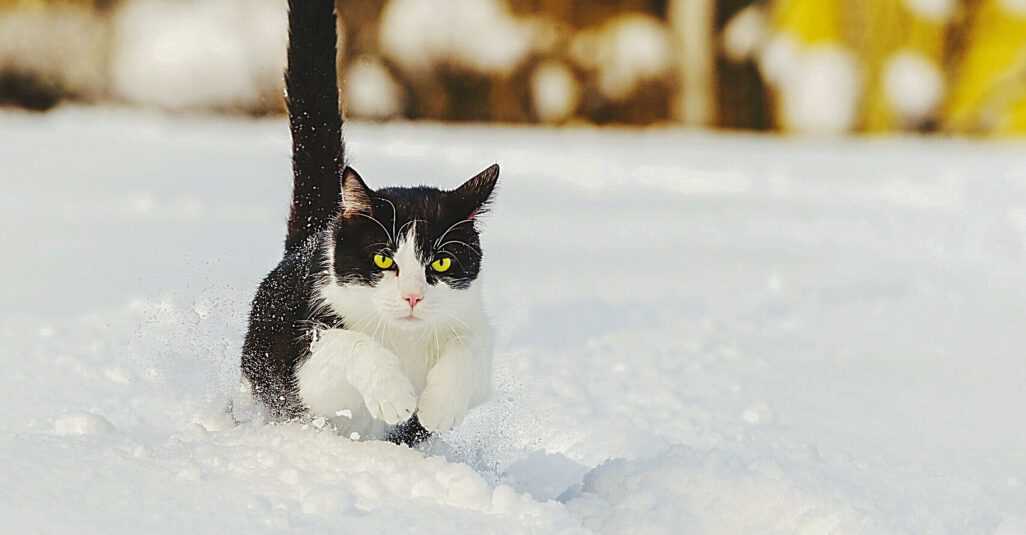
[764, 497]
[554, 91]
[820, 91]
[745, 33]
[480, 35]
[1015, 7]
[82, 424]
[371, 91]
[818, 85]
[934, 10]
[60, 45]
[778, 57]
[1012, 526]
[914, 85]
[626, 51]
[218, 54]
[697, 333]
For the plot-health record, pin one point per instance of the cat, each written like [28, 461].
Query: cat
[373, 319]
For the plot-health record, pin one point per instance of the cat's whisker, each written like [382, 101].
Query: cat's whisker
[444, 234]
[458, 320]
[462, 323]
[410, 222]
[458, 242]
[438, 348]
[374, 333]
[395, 215]
[383, 229]
[453, 256]
[456, 336]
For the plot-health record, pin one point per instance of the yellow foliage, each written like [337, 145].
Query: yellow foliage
[811, 22]
[888, 29]
[989, 92]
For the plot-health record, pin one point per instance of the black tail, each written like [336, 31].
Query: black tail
[311, 85]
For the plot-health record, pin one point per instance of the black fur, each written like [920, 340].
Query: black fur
[285, 315]
[281, 324]
[431, 212]
[311, 86]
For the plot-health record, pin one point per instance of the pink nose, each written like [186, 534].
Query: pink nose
[413, 299]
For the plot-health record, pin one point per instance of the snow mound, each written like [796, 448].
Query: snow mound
[687, 491]
[82, 424]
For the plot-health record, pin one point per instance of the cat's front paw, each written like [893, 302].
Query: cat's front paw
[391, 398]
[440, 410]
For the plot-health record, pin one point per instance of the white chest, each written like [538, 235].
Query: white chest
[418, 351]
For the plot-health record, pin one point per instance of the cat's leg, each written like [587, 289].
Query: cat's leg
[409, 433]
[347, 370]
[452, 385]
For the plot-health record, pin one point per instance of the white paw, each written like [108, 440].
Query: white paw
[440, 411]
[391, 398]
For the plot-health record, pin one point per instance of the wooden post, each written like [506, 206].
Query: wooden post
[692, 24]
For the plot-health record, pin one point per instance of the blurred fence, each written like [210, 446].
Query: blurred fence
[810, 66]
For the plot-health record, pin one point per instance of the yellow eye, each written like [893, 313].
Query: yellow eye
[382, 261]
[442, 264]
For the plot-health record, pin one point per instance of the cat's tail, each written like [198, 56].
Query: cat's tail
[311, 86]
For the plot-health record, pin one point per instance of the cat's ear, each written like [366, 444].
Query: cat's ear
[474, 196]
[356, 196]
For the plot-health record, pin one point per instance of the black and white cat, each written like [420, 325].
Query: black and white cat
[373, 319]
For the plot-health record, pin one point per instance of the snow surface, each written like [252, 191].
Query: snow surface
[698, 334]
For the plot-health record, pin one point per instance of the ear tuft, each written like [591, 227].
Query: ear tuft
[476, 193]
[355, 193]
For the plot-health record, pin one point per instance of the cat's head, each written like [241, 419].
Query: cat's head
[408, 257]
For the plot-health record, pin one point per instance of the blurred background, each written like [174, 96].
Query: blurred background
[796, 66]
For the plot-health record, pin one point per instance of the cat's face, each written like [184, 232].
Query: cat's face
[408, 257]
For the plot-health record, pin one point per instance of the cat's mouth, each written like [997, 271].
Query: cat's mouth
[409, 322]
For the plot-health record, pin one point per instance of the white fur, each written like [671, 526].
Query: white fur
[439, 352]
